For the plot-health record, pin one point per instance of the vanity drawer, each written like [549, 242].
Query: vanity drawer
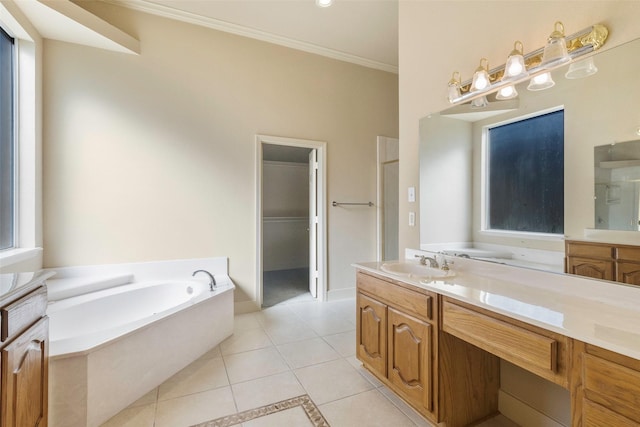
[589, 250]
[22, 313]
[628, 254]
[420, 304]
[526, 348]
[594, 415]
[610, 384]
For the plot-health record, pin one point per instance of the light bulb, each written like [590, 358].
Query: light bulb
[515, 62]
[541, 81]
[507, 92]
[515, 68]
[480, 79]
[481, 82]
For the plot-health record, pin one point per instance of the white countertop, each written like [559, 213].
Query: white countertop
[605, 314]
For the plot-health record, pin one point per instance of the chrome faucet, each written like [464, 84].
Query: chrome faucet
[432, 261]
[212, 280]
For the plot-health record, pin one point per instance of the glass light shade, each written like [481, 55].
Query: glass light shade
[454, 87]
[541, 82]
[580, 69]
[481, 79]
[555, 52]
[507, 92]
[324, 3]
[515, 66]
[479, 102]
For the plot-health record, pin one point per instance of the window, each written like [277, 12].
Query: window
[7, 142]
[525, 175]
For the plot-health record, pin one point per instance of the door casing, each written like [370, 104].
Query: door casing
[321, 148]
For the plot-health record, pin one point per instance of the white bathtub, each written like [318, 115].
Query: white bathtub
[110, 347]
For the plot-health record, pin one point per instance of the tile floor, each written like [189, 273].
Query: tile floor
[278, 353]
[285, 285]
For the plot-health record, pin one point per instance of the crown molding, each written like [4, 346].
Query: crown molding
[216, 24]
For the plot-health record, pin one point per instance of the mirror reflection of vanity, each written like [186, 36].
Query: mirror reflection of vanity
[599, 110]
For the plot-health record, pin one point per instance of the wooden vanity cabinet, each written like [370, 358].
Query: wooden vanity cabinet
[590, 259]
[620, 263]
[395, 338]
[605, 389]
[24, 356]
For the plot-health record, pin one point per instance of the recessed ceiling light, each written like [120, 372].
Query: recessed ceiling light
[324, 3]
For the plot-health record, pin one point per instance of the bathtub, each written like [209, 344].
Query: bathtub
[110, 347]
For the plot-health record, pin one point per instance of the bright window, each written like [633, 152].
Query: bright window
[7, 142]
[525, 175]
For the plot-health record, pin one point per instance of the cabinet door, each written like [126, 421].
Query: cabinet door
[24, 378]
[371, 333]
[629, 272]
[409, 365]
[598, 269]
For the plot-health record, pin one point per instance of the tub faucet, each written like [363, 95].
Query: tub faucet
[212, 280]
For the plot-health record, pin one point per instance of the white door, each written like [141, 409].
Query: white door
[313, 222]
[390, 184]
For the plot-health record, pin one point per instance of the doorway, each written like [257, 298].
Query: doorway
[291, 216]
[388, 198]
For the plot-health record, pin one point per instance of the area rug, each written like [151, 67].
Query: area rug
[304, 402]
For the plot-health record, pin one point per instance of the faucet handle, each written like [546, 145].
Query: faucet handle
[423, 259]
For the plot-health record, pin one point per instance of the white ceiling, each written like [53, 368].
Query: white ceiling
[359, 31]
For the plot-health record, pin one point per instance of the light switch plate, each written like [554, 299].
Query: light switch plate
[412, 194]
[412, 219]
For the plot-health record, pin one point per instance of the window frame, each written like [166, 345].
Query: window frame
[14, 147]
[27, 253]
[484, 186]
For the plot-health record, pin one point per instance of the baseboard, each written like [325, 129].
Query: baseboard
[336, 294]
[523, 414]
[242, 307]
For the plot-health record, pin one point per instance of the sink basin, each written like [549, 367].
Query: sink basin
[416, 271]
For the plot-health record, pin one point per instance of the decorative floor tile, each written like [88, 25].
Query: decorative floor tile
[304, 402]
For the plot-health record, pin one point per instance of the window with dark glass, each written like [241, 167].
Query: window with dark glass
[526, 175]
[7, 143]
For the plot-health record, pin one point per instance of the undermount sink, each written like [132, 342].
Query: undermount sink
[416, 271]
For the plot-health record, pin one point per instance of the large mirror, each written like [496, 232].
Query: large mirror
[599, 110]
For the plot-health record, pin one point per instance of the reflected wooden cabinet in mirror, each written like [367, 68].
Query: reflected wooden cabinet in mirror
[606, 261]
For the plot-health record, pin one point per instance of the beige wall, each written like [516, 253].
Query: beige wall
[439, 37]
[152, 157]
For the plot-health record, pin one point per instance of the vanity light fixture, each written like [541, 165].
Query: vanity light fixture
[555, 51]
[324, 3]
[454, 86]
[541, 82]
[535, 65]
[580, 69]
[481, 80]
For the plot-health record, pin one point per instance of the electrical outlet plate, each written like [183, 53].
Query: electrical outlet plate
[411, 194]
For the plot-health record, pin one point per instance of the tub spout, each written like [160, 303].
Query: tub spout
[212, 280]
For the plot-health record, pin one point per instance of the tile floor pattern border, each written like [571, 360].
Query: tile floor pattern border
[304, 401]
